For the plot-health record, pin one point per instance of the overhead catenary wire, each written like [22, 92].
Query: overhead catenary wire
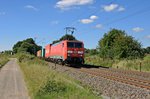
[93, 13]
[127, 16]
[116, 20]
[130, 15]
[40, 41]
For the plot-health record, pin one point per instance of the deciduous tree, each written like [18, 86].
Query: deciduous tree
[117, 44]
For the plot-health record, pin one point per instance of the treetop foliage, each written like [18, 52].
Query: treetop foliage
[117, 44]
[65, 37]
[91, 51]
[146, 50]
[27, 45]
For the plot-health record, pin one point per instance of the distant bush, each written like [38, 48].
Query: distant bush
[23, 57]
[133, 64]
[96, 60]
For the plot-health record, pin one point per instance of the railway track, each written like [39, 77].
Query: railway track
[108, 82]
[129, 72]
[119, 78]
[118, 75]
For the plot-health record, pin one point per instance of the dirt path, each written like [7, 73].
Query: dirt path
[12, 85]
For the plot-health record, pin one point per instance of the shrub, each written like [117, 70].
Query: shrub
[23, 57]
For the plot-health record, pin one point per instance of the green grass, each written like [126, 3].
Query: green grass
[3, 60]
[123, 64]
[95, 60]
[44, 83]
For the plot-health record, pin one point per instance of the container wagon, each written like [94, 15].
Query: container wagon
[41, 53]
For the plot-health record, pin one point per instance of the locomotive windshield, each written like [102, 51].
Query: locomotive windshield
[74, 45]
[78, 45]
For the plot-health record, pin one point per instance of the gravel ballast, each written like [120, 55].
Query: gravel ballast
[101, 86]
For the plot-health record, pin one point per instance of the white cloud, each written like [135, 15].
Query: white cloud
[86, 21]
[2, 13]
[93, 17]
[89, 20]
[31, 7]
[120, 9]
[66, 4]
[137, 29]
[99, 26]
[113, 7]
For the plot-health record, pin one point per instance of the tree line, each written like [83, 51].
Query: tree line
[31, 47]
[115, 44]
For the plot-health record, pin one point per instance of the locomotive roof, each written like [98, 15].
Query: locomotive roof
[72, 40]
[67, 41]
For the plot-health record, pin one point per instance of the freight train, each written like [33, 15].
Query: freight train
[64, 52]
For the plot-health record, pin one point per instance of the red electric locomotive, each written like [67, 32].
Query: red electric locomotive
[66, 52]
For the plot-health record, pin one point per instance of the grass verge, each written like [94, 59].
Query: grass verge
[44, 83]
[134, 64]
[3, 60]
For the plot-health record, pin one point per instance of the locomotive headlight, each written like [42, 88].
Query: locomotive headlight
[80, 52]
[69, 51]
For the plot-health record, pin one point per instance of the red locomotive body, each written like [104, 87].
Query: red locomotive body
[47, 50]
[66, 52]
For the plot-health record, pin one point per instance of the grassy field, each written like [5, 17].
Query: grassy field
[3, 60]
[44, 83]
[124, 64]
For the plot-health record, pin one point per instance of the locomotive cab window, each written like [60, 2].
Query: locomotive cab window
[74, 45]
[78, 45]
[70, 44]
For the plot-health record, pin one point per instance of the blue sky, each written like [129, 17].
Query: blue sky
[46, 20]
